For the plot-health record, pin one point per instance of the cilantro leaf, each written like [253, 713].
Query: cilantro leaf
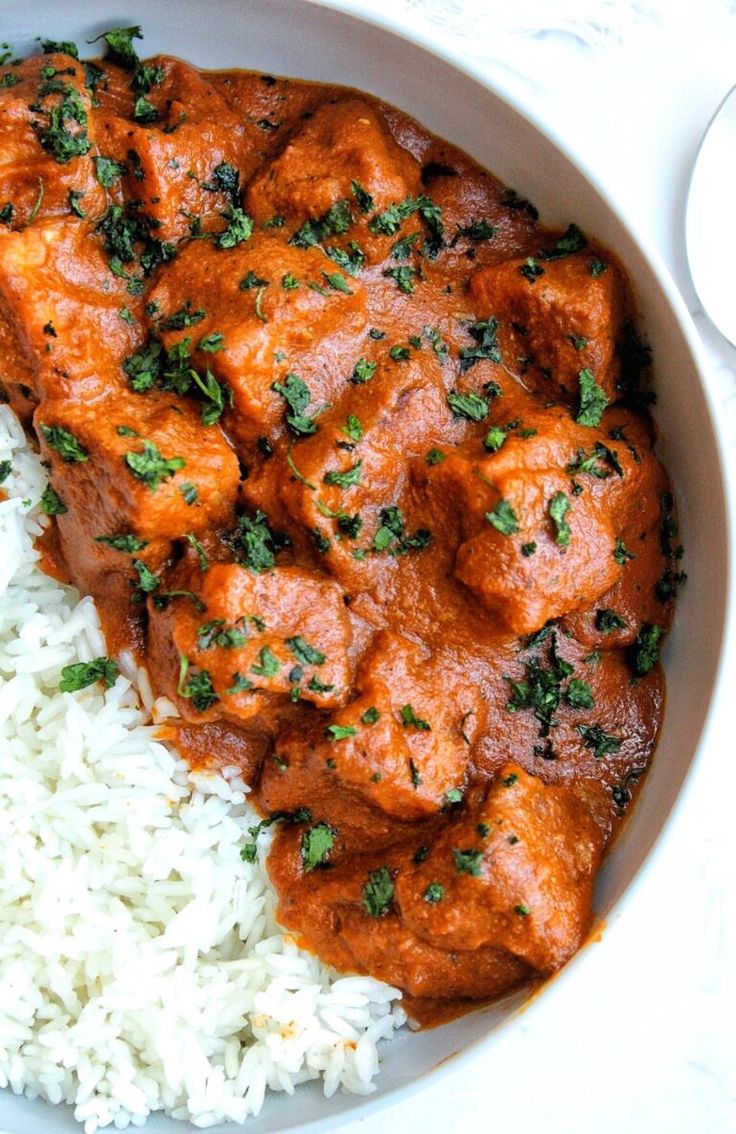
[484, 332]
[409, 719]
[559, 506]
[253, 543]
[503, 518]
[151, 467]
[646, 648]
[471, 406]
[304, 653]
[81, 674]
[239, 228]
[601, 742]
[51, 503]
[297, 396]
[316, 844]
[593, 399]
[345, 479]
[268, 665]
[378, 892]
[64, 443]
[468, 861]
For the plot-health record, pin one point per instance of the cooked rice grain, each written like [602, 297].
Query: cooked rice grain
[141, 966]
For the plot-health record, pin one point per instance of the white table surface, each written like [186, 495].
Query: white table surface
[645, 1038]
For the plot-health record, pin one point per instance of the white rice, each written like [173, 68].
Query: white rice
[141, 966]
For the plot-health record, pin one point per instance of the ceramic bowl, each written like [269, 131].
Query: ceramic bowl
[313, 41]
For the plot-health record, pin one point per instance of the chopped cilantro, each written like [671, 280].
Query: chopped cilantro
[148, 582]
[494, 438]
[212, 343]
[51, 503]
[64, 443]
[559, 506]
[350, 259]
[573, 240]
[468, 861]
[484, 333]
[503, 518]
[335, 732]
[434, 892]
[344, 479]
[477, 230]
[119, 42]
[363, 199]
[268, 665]
[297, 396]
[621, 553]
[81, 674]
[353, 428]
[64, 133]
[239, 228]
[151, 467]
[196, 687]
[409, 719]
[335, 221]
[606, 621]
[304, 653]
[125, 542]
[579, 695]
[593, 399]
[363, 371]
[541, 689]
[403, 277]
[251, 280]
[646, 648]
[253, 543]
[378, 892]
[471, 406]
[599, 741]
[337, 282]
[108, 171]
[531, 270]
[316, 844]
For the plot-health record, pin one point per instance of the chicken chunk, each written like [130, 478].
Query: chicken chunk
[144, 466]
[259, 298]
[517, 874]
[542, 518]
[343, 483]
[183, 166]
[282, 634]
[343, 144]
[47, 135]
[328, 910]
[396, 748]
[65, 309]
[565, 319]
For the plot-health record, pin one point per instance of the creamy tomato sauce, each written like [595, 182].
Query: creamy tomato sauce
[351, 453]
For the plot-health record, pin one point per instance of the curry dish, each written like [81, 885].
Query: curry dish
[353, 455]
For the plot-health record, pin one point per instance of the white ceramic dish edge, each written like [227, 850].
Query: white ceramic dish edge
[664, 306]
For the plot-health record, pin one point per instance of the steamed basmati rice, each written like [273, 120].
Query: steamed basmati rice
[141, 966]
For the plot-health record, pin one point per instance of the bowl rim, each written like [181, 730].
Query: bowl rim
[361, 12]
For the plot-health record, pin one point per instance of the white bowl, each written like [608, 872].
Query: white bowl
[312, 41]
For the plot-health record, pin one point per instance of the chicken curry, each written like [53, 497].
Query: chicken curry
[353, 456]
